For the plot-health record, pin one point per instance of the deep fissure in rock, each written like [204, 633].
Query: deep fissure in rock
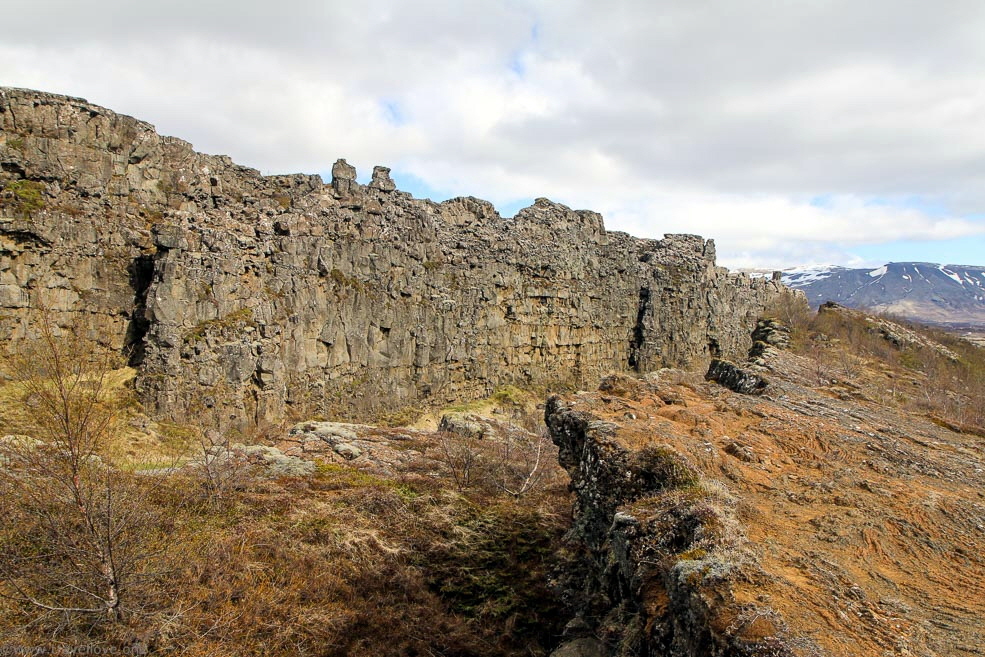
[141, 272]
[639, 331]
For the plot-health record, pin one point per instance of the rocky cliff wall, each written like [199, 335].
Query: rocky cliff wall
[257, 293]
[656, 550]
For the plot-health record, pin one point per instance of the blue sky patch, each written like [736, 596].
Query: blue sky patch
[393, 113]
[960, 251]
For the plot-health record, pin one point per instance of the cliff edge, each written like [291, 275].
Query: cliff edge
[259, 294]
[812, 519]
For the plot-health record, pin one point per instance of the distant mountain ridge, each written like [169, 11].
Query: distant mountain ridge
[923, 291]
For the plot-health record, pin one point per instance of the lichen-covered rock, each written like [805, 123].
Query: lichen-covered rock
[331, 432]
[772, 332]
[381, 180]
[258, 294]
[657, 548]
[274, 462]
[265, 460]
[336, 435]
[343, 177]
[735, 378]
[467, 425]
[347, 451]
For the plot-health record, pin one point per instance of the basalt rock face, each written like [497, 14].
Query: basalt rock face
[657, 551]
[257, 292]
[812, 520]
[735, 378]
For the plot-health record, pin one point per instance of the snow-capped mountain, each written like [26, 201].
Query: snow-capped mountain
[947, 294]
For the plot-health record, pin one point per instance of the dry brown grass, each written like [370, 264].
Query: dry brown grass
[851, 347]
[864, 518]
[342, 562]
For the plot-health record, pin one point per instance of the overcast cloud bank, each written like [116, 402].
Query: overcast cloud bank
[789, 134]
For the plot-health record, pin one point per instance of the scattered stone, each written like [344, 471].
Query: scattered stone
[576, 628]
[465, 424]
[347, 451]
[271, 461]
[330, 432]
[741, 452]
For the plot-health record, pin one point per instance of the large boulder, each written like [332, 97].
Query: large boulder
[735, 378]
[381, 180]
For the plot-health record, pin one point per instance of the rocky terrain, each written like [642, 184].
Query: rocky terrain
[949, 295]
[749, 479]
[789, 523]
[276, 295]
[810, 514]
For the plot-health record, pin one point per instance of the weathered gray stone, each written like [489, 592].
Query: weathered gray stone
[772, 332]
[381, 180]
[342, 170]
[585, 647]
[347, 451]
[464, 424]
[741, 452]
[270, 292]
[343, 177]
[328, 431]
[735, 378]
[274, 462]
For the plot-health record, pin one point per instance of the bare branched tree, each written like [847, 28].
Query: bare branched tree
[792, 309]
[75, 531]
[519, 465]
[213, 460]
[462, 455]
[218, 465]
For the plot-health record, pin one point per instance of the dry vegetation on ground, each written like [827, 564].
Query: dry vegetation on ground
[865, 522]
[394, 558]
[893, 361]
[857, 479]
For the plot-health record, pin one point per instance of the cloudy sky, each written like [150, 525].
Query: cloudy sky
[801, 132]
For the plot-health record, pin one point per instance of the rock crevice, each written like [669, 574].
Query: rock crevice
[266, 293]
[655, 551]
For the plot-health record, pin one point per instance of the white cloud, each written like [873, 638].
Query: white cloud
[719, 118]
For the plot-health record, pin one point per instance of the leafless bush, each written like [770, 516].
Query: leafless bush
[793, 311]
[850, 364]
[220, 468]
[520, 458]
[77, 534]
[819, 364]
[461, 455]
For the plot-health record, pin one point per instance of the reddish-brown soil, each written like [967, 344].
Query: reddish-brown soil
[867, 520]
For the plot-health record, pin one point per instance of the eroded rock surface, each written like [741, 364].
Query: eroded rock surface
[735, 378]
[798, 522]
[257, 293]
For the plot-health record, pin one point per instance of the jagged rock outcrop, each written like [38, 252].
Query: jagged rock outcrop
[816, 519]
[771, 332]
[735, 378]
[252, 293]
[658, 548]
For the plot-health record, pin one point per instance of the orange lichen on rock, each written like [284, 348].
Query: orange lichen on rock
[859, 527]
